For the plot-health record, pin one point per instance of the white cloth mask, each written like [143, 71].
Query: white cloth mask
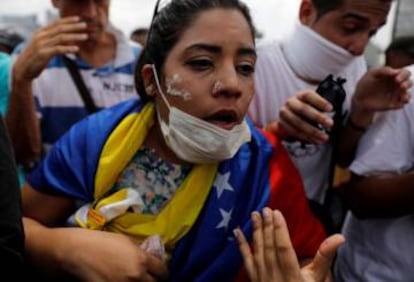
[197, 141]
[312, 57]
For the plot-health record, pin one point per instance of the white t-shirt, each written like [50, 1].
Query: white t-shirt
[275, 84]
[381, 249]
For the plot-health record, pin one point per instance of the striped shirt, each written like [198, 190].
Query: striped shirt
[58, 101]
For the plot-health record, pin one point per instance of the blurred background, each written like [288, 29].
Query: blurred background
[274, 19]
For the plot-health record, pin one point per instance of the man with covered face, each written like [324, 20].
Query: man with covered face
[329, 39]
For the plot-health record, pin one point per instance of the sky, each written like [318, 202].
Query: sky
[274, 18]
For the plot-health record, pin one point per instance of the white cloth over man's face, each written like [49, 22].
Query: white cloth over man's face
[280, 74]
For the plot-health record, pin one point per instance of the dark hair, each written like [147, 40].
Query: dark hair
[325, 6]
[10, 38]
[170, 23]
[403, 44]
[139, 31]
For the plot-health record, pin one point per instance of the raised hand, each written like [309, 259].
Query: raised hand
[273, 258]
[383, 89]
[380, 89]
[60, 37]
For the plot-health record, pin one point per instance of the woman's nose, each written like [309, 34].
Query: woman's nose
[227, 84]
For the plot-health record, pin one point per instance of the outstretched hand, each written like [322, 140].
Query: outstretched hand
[274, 259]
[382, 89]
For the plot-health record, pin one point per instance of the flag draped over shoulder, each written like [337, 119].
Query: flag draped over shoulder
[260, 175]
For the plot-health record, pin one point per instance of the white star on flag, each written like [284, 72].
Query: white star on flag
[222, 183]
[224, 223]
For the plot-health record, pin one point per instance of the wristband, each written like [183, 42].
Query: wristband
[356, 127]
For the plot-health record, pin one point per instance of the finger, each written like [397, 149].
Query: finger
[66, 39]
[398, 100]
[289, 265]
[246, 254]
[63, 21]
[258, 244]
[406, 85]
[300, 128]
[269, 244]
[308, 112]
[59, 50]
[79, 27]
[157, 268]
[315, 100]
[322, 262]
[384, 71]
[402, 76]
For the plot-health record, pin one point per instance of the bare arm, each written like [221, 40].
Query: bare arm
[21, 118]
[89, 255]
[381, 196]
[22, 121]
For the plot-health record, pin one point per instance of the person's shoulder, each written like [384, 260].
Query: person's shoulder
[268, 48]
[269, 54]
[263, 140]
[119, 110]
[135, 47]
[5, 60]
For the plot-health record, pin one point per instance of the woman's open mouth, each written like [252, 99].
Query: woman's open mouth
[225, 119]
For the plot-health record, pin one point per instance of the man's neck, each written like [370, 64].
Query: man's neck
[99, 52]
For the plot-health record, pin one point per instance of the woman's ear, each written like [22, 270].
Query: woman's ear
[307, 12]
[148, 80]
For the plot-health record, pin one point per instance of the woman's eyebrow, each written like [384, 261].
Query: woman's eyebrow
[218, 50]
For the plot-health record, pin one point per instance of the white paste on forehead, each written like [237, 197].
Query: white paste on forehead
[174, 91]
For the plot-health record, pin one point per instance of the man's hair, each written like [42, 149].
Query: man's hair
[403, 44]
[325, 6]
[10, 38]
[139, 31]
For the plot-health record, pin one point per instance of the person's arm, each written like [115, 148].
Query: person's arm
[11, 229]
[22, 120]
[385, 195]
[90, 255]
[380, 89]
[60, 37]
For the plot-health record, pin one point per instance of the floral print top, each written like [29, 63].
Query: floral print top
[155, 179]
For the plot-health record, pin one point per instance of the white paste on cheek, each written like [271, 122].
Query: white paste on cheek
[171, 90]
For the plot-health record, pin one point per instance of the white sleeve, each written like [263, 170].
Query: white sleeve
[388, 145]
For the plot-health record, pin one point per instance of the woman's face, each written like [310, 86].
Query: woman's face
[209, 72]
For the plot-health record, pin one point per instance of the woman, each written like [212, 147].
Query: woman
[183, 164]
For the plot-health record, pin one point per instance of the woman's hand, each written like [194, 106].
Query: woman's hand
[273, 258]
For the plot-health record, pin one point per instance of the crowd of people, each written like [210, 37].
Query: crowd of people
[111, 137]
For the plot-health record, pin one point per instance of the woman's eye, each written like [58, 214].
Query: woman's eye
[245, 70]
[200, 64]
